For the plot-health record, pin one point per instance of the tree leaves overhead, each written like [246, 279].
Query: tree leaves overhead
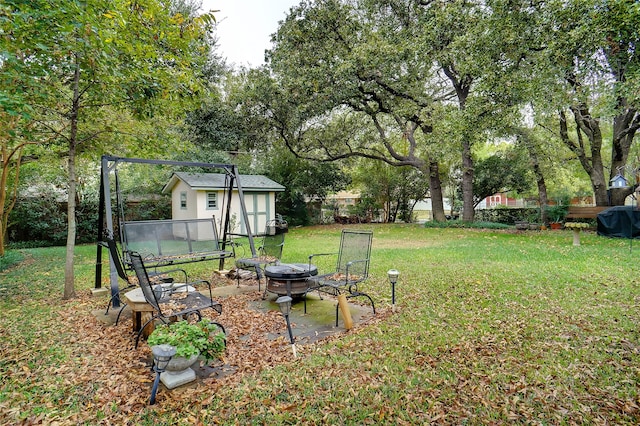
[71, 64]
[329, 61]
[584, 77]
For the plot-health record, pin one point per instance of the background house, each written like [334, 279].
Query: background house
[202, 195]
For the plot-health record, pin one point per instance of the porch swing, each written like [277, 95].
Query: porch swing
[164, 242]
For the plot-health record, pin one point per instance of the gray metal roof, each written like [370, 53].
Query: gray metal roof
[216, 181]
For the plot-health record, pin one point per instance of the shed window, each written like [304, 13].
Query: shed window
[183, 200]
[212, 200]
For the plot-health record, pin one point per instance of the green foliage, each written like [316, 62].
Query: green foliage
[394, 189]
[582, 81]
[42, 221]
[215, 126]
[342, 89]
[508, 216]
[76, 68]
[557, 212]
[38, 219]
[149, 209]
[303, 179]
[203, 337]
[461, 224]
[504, 171]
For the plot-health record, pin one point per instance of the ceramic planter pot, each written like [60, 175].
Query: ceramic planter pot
[181, 363]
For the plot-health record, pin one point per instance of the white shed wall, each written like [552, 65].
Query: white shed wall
[261, 207]
[192, 207]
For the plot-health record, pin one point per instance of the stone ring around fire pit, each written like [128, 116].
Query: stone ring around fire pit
[289, 278]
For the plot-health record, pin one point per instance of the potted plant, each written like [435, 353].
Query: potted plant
[191, 340]
[556, 215]
[203, 338]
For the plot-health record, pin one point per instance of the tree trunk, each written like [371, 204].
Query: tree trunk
[625, 127]
[462, 86]
[592, 163]
[543, 199]
[69, 275]
[467, 182]
[8, 155]
[437, 204]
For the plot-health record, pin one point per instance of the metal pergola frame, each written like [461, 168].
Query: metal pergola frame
[105, 210]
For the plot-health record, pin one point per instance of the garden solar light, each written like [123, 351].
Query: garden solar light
[285, 307]
[393, 275]
[162, 354]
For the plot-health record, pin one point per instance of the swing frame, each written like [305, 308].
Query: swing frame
[109, 165]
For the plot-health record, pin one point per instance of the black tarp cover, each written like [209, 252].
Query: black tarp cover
[620, 222]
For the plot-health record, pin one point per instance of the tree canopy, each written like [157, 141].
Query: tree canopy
[75, 66]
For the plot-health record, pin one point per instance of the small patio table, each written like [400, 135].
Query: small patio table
[141, 311]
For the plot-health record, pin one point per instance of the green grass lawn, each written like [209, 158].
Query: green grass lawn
[492, 327]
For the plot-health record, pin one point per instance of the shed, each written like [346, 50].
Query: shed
[201, 195]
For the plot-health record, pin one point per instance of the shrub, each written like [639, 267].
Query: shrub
[204, 338]
[463, 224]
[42, 221]
[38, 219]
[508, 215]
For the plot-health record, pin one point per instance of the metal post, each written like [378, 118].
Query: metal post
[106, 190]
[284, 302]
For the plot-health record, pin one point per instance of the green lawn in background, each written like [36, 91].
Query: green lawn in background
[493, 327]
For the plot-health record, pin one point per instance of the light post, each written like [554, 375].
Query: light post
[284, 302]
[162, 354]
[393, 275]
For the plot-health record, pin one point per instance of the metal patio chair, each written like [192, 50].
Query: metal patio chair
[352, 268]
[157, 275]
[269, 252]
[172, 301]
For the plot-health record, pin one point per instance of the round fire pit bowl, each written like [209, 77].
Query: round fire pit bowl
[289, 279]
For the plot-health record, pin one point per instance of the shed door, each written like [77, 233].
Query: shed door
[258, 210]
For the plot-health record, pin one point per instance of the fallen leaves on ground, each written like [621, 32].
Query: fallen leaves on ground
[91, 369]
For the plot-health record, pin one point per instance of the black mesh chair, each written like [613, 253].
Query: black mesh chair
[269, 252]
[352, 268]
[156, 275]
[172, 301]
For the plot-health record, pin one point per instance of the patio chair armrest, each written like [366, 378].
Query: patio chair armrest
[311, 256]
[236, 245]
[196, 282]
[157, 272]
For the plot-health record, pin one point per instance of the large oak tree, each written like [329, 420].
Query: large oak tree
[587, 72]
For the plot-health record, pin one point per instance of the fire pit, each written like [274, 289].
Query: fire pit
[289, 278]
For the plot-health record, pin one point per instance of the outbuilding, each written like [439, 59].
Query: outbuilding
[202, 195]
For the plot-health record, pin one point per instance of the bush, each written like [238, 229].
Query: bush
[38, 219]
[149, 209]
[42, 221]
[86, 220]
[463, 224]
[508, 216]
[203, 338]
